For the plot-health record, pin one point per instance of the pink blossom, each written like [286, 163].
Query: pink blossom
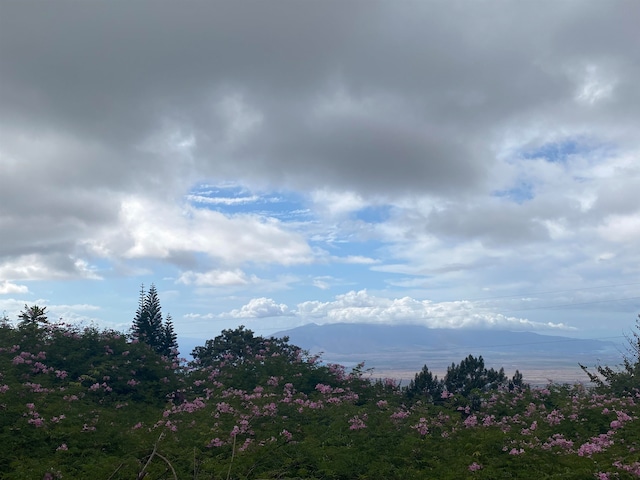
[554, 418]
[595, 445]
[488, 420]
[216, 442]
[357, 423]
[326, 389]
[38, 422]
[17, 360]
[421, 426]
[471, 421]
[246, 443]
[474, 467]
[399, 415]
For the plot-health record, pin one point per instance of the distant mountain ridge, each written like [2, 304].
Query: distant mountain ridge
[408, 347]
[362, 338]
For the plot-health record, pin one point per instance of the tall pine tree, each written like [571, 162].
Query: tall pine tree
[148, 326]
[170, 339]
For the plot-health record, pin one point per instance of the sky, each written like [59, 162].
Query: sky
[455, 164]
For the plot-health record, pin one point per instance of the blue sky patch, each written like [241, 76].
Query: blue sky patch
[235, 199]
[374, 213]
[519, 194]
[557, 152]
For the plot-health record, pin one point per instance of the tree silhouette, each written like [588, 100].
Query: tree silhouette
[32, 316]
[239, 345]
[426, 385]
[169, 339]
[471, 374]
[148, 326]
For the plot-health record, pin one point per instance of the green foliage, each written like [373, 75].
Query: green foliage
[88, 403]
[471, 374]
[248, 360]
[33, 320]
[426, 386]
[235, 347]
[32, 316]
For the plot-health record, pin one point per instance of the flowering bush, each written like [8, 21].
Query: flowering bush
[70, 399]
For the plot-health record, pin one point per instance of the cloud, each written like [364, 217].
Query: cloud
[469, 147]
[173, 234]
[323, 283]
[357, 260]
[222, 200]
[260, 308]
[52, 265]
[217, 278]
[74, 313]
[8, 287]
[360, 307]
[339, 119]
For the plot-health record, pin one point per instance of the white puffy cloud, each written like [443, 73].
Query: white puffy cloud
[217, 278]
[361, 307]
[38, 266]
[357, 259]
[8, 287]
[260, 308]
[155, 230]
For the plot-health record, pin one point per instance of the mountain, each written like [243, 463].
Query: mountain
[403, 349]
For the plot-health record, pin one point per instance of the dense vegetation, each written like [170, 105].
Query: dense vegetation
[89, 403]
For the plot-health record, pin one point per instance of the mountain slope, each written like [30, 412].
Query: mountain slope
[405, 348]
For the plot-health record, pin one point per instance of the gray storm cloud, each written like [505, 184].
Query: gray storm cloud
[419, 103]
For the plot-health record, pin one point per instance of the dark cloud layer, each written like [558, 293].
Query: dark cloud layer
[104, 101]
[454, 75]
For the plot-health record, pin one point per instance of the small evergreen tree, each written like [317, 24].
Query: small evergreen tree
[471, 374]
[425, 385]
[139, 327]
[148, 326]
[517, 381]
[33, 316]
[169, 339]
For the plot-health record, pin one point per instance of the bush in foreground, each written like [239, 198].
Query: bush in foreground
[83, 403]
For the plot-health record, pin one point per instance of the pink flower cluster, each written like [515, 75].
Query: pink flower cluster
[357, 422]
